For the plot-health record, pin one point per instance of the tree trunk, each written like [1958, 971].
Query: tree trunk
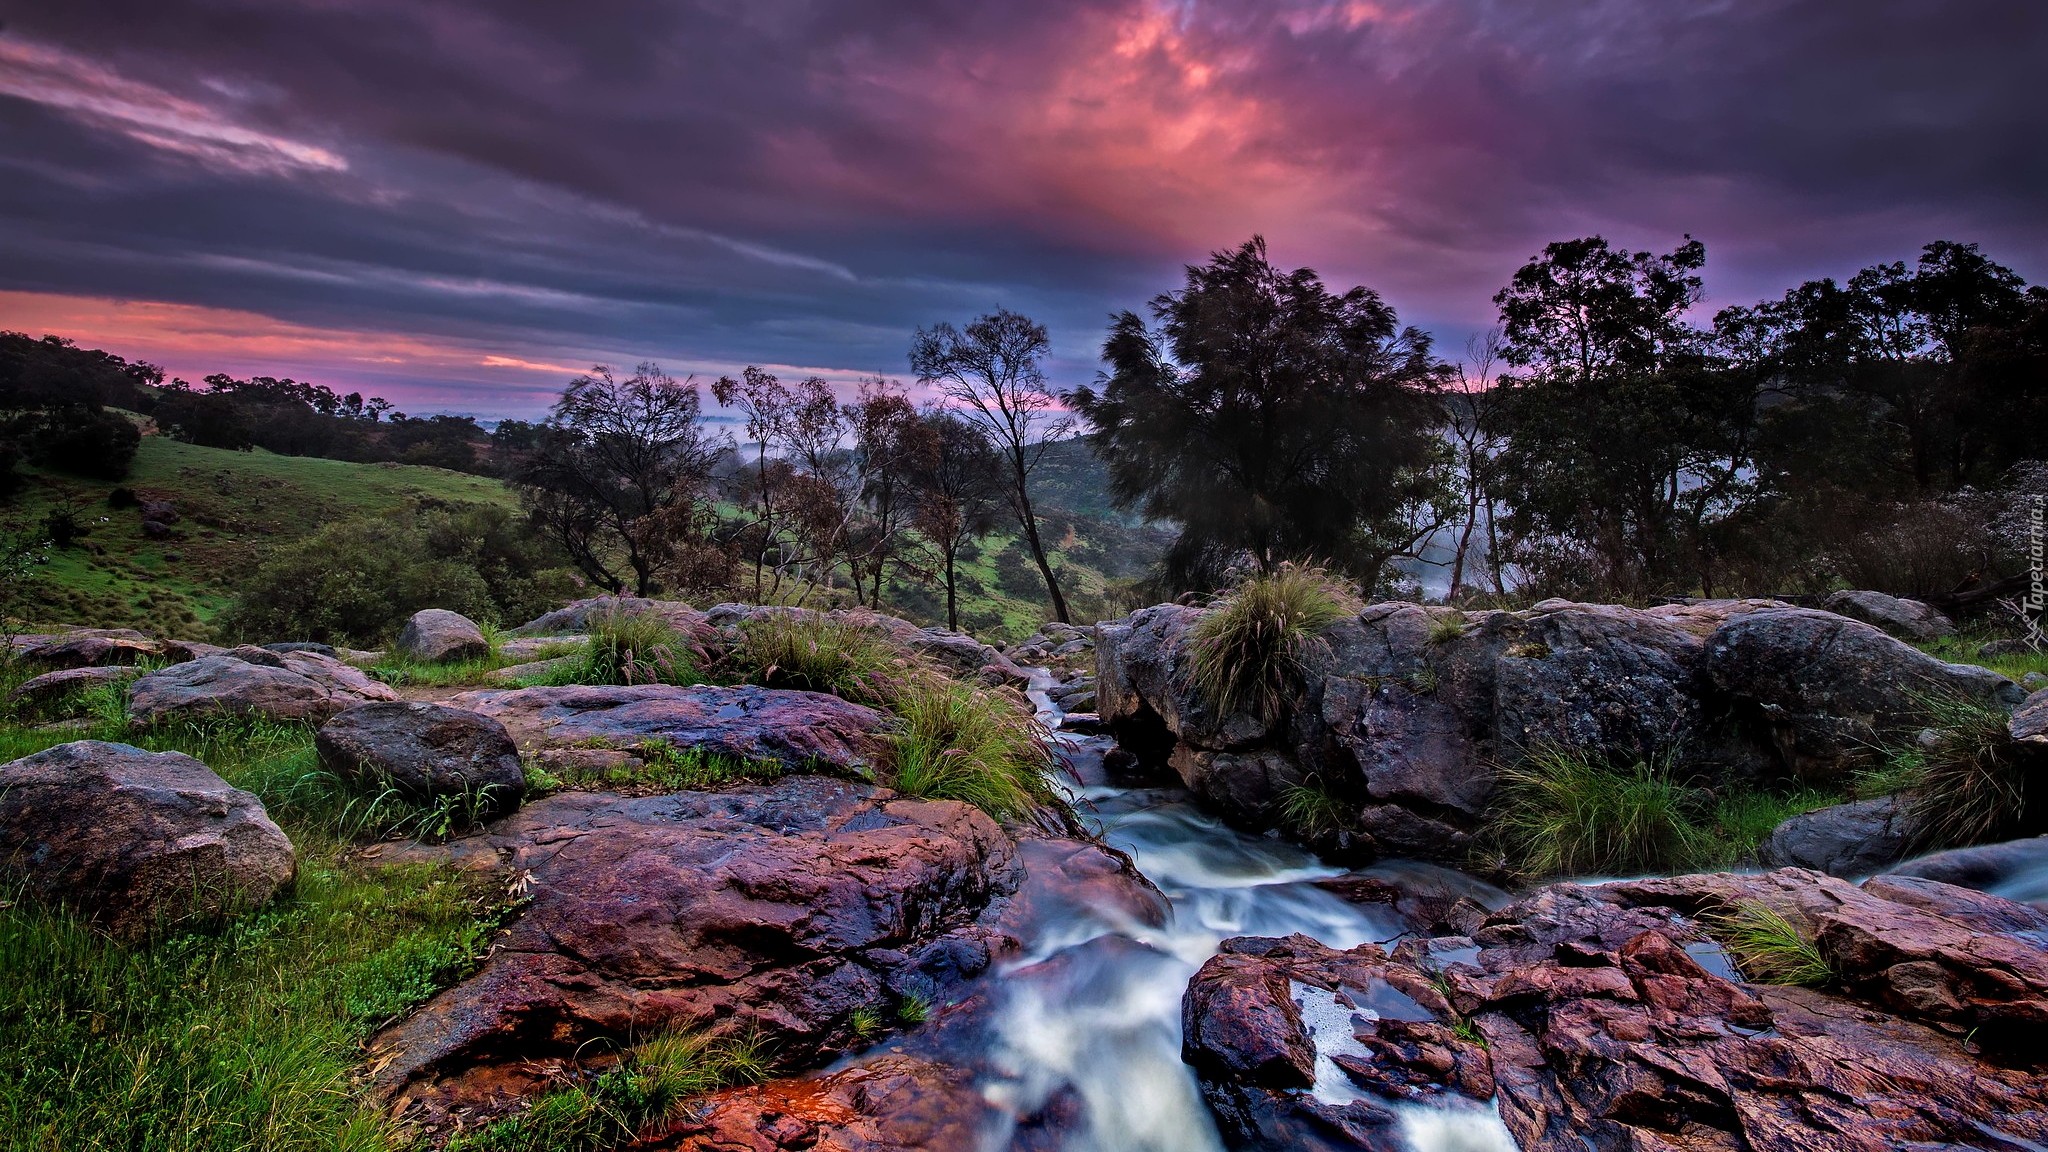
[1030, 522]
[952, 593]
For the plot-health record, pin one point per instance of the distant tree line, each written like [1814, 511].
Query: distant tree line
[1600, 442]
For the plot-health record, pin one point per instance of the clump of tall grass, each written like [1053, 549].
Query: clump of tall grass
[962, 742]
[1249, 653]
[632, 648]
[1769, 948]
[812, 652]
[647, 1086]
[1561, 812]
[1968, 785]
[1312, 809]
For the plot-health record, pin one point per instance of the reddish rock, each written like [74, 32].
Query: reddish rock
[795, 729]
[891, 1104]
[437, 636]
[253, 682]
[780, 909]
[91, 648]
[64, 681]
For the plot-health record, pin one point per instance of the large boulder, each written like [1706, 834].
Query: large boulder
[1610, 1016]
[781, 910]
[576, 616]
[137, 840]
[438, 636]
[1406, 711]
[2029, 724]
[1906, 619]
[1854, 839]
[63, 682]
[424, 751]
[798, 730]
[1829, 689]
[252, 681]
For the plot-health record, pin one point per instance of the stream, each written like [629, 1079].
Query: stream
[1087, 1025]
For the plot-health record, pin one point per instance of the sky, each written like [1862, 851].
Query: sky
[459, 204]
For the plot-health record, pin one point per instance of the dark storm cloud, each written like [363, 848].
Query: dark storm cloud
[803, 183]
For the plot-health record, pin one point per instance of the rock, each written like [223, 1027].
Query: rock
[438, 636]
[1612, 1019]
[1830, 688]
[1906, 619]
[779, 909]
[252, 681]
[528, 647]
[2029, 724]
[576, 616]
[799, 730]
[952, 652]
[1853, 839]
[158, 530]
[1262, 1015]
[179, 651]
[2034, 682]
[516, 674]
[161, 511]
[312, 646]
[2016, 869]
[137, 840]
[2024, 646]
[56, 685]
[889, 1104]
[425, 751]
[92, 648]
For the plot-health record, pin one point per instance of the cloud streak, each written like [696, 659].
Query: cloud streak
[709, 182]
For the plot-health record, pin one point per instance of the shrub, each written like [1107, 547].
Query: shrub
[85, 440]
[1769, 948]
[358, 581]
[1248, 654]
[961, 742]
[635, 648]
[1970, 785]
[1561, 812]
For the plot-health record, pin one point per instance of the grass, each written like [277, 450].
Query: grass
[1968, 786]
[647, 1086]
[812, 652]
[1313, 810]
[626, 648]
[1446, 628]
[662, 768]
[1247, 655]
[1562, 812]
[1769, 948]
[1963, 650]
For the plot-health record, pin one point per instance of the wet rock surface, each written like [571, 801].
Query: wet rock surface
[424, 751]
[252, 681]
[1408, 710]
[1611, 1018]
[794, 729]
[136, 840]
[1854, 839]
[891, 1104]
[781, 909]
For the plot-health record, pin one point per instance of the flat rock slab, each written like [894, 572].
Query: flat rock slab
[92, 649]
[795, 729]
[136, 840]
[253, 682]
[781, 909]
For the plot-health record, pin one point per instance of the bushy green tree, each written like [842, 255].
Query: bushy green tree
[358, 581]
[1270, 417]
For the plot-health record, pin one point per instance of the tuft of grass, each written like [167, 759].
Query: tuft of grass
[1446, 628]
[1248, 654]
[247, 1037]
[962, 742]
[866, 1023]
[1563, 813]
[1969, 787]
[1769, 948]
[647, 1086]
[913, 1010]
[1742, 819]
[663, 767]
[632, 648]
[1312, 810]
[811, 652]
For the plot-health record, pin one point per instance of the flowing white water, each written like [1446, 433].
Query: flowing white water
[1090, 1021]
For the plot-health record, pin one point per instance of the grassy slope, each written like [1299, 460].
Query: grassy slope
[230, 505]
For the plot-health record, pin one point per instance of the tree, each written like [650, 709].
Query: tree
[1272, 418]
[1476, 439]
[615, 454]
[1623, 435]
[890, 446]
[991, 371]
[959, 493]
[766, 403]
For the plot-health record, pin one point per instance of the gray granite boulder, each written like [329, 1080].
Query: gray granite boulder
[1853, 839]
[137, 840]
[438, 636]
[252, 682]
[425, 751]
[1906, 619]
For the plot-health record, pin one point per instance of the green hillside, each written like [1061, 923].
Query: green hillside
[230, 506]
